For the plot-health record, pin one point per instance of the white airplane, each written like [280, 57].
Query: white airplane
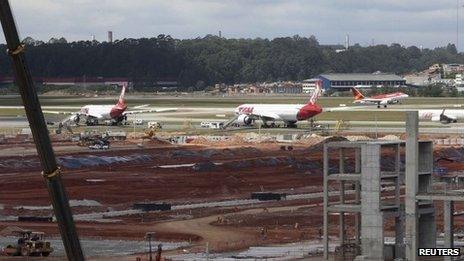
[112, 114]
[290, 114]
[381, 99]
[444, 116]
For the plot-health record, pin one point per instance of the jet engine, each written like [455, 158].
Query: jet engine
[442, 118]
[445, 119]
[75, 118]
[244, 119]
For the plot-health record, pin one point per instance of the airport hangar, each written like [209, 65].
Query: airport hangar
[345, 81]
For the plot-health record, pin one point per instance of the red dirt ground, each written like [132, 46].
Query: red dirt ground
[125, 184]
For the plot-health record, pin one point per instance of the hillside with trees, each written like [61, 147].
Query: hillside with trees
[197, 63]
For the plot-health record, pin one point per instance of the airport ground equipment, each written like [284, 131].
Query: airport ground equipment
[29, 244]
[51, 171]
[342, 125]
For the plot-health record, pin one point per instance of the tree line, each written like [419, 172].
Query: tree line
[197, 63]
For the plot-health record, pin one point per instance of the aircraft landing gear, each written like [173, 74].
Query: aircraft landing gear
[291, 124]
[91, 122]
[271, 125]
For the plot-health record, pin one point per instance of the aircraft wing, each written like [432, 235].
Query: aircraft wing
[267, 116]
[344, 108]
[141, 106]
[150, 111]
[61, 112]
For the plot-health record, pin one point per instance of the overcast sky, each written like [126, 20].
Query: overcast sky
[408, 22]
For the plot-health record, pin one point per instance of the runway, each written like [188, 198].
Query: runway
[193, 115]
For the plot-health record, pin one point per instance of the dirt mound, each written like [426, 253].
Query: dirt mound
[389, 137]
[157, 141]
[320, 145]
[357, 138]
[224, 141]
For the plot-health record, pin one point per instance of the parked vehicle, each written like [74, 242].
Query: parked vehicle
[212, 124]
[29, 244]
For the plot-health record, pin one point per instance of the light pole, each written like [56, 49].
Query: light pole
[149, 236]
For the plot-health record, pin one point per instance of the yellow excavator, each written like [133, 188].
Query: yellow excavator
[151, 131]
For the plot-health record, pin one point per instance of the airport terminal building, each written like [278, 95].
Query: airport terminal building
[345, 81]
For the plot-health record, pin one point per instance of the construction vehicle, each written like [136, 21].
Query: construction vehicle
[29, 244]
[212, 124]
[102, 143]
[153, 127]
[92, 138]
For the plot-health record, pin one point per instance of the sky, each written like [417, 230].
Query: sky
[407, 22]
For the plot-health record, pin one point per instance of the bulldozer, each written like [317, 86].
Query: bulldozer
[29, 244]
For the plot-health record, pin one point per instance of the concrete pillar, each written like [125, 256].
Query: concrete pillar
[399, 179]
[357, 218]
[448, 223]
[427, 231]
[399, 235]
[326, 203]
[372, 239]
[411, 183]
[342, 214]
[341, 169]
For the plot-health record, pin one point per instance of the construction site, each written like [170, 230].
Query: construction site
[306, 191]
[279, 197]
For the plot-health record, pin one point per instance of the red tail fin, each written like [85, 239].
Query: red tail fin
[317, 92]
[357, 94]
[121, 100]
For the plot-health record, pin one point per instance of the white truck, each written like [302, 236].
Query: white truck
[212, 124]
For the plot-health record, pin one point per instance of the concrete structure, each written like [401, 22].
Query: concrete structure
[110, 36]
[368, 177]
[420, 193]
[451, 68]
[377, 171]
[284, 87]
[459, 82]
[420, 213]
[309, 85]
[421, 79]
[345, 81]
[265, 88]
[347, 41]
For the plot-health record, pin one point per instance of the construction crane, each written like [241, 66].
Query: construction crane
[51, 171]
